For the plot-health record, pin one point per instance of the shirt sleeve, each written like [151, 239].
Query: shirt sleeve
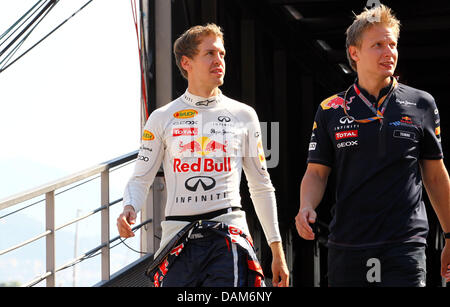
[147, 164]
[260, 186]
[320, 146]
[431, 147]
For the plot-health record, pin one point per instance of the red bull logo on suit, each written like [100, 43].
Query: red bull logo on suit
[335, 102]
[203, 146]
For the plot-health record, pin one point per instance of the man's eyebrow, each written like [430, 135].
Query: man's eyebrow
[215, 49]
[384, 40]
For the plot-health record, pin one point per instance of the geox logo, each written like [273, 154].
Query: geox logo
[347, 144]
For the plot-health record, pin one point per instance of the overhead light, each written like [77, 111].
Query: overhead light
[324, 45]
[345, 68]
[293, 11]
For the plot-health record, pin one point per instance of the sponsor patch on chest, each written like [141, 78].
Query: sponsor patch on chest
[346, 134]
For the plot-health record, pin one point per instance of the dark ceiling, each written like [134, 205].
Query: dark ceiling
[424, 47]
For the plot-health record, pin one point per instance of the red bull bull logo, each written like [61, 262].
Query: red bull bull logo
[406, 120]
[335, 102]
[192, 146]
[203, 146]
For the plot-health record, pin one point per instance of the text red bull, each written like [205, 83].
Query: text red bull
[202, 165]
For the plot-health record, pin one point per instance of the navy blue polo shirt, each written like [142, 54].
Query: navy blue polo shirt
[378, 179]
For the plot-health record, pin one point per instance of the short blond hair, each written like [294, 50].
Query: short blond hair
[379, 14]
[188, 42]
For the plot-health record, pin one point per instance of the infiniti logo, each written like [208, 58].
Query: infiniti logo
[206, 182]
[224, 119]
[346, 120]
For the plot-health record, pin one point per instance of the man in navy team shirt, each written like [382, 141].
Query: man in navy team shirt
[383, 140]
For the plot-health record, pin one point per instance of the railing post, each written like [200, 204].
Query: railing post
[154, 210]
[147, 232]
[105, 224]
[50, 238]
[159, 202]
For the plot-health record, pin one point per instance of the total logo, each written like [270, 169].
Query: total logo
[203, 146]
[346, 134]
[190, 131]
[347, 144]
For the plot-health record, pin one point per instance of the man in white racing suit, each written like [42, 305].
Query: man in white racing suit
[204, 140]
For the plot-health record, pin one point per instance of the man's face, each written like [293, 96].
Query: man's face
[207, 67]
[378, 53]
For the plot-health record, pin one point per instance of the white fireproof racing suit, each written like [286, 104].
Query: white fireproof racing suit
[204, 143]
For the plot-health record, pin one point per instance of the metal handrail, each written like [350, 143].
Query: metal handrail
[10, 249]
[65, 181]
[49, 191]
[26, 242]
[75, 260]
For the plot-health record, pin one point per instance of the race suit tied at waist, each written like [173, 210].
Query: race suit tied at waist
[161, 264]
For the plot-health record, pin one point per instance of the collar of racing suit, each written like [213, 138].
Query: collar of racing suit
[197, 101]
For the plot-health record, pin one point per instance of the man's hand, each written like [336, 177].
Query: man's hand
[445, 262]
[279, 266]
[437, 183]
[312, 189]
[304, 217]
[125, 220]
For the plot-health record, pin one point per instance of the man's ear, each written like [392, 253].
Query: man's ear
[185, 63]
[354, 54]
